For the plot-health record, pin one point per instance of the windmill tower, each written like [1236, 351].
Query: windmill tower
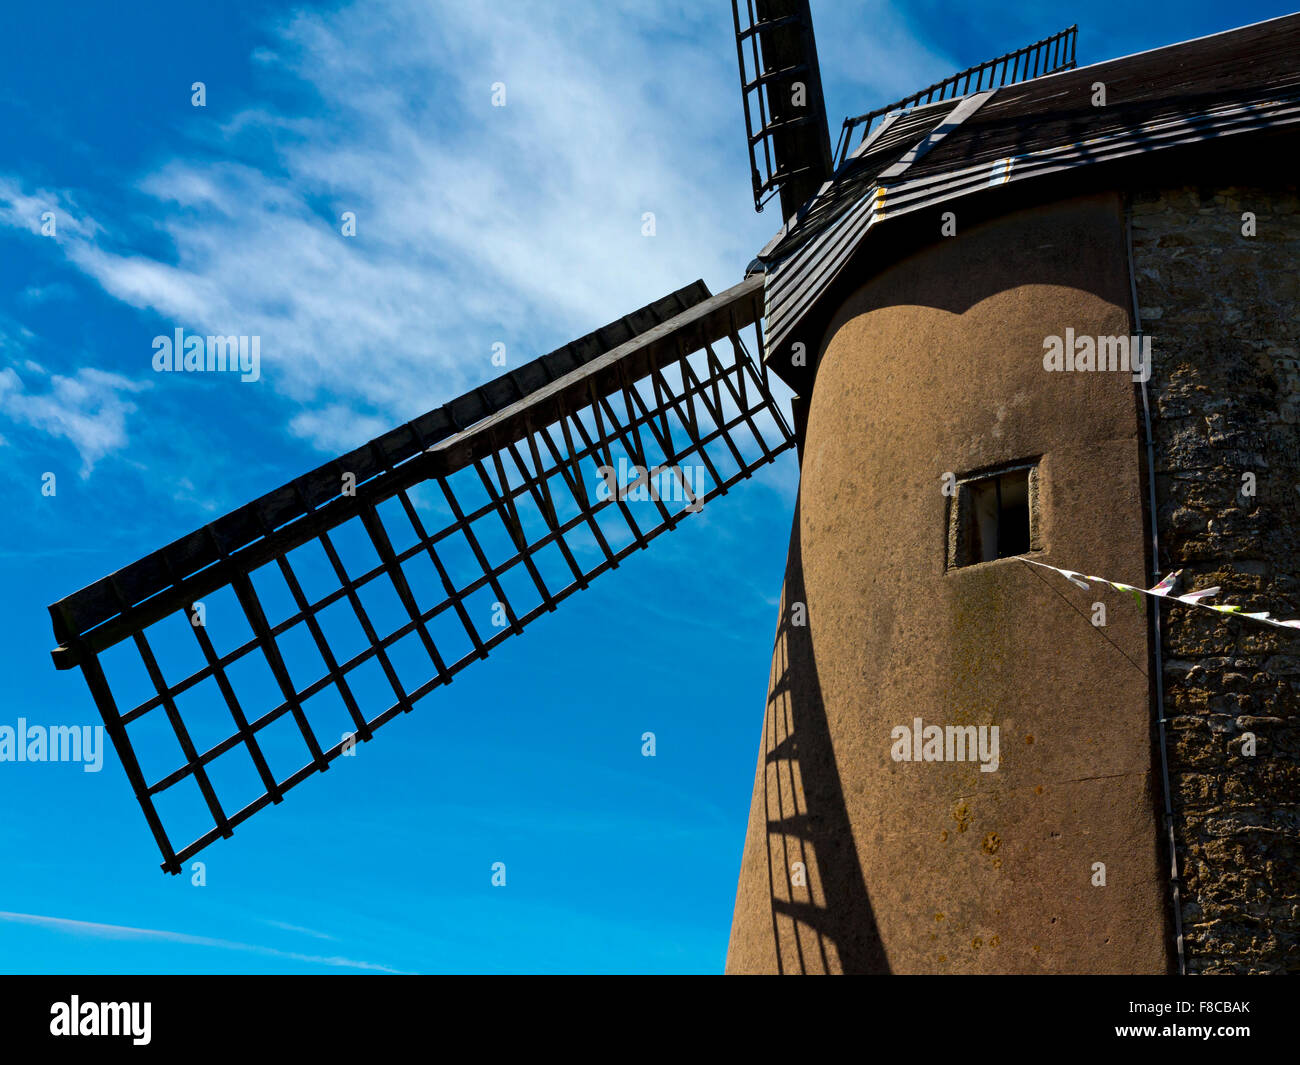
[963, 767]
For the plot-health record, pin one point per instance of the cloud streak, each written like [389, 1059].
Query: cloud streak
[112, 931]
[474, 223]
[88, 409]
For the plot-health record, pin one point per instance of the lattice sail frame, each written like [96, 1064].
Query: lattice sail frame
[788, 143]
[545, 523]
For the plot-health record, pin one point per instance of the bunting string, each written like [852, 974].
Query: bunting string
[1162, 590]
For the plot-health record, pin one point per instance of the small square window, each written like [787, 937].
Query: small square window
[993, 515]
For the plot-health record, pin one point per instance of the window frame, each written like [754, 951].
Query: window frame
[960, 512]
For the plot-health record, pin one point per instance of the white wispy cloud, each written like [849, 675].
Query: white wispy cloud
[89, 409]
[112, 931]
[336, 427]
[475, 223]
[299, 929]
[32, 212]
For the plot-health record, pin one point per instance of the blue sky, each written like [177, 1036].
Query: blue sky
[475, 225]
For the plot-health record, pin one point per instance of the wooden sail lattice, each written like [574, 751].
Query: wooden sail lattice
[249, 655]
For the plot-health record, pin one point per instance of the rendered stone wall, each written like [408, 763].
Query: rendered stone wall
[1223, 311]
[858, 862]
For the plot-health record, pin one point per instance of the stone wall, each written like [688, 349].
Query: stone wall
[1222, 310]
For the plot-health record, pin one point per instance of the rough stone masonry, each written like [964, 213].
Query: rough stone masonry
[1221, 308]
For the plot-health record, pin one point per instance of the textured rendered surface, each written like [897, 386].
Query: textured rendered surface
[935, 366]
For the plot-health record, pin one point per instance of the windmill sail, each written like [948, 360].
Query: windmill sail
[781, 90]
[395, 566]
[1047, 56]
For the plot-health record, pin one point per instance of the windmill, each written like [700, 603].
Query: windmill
[504, 502]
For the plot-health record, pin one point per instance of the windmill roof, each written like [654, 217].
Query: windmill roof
[1200, 91]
